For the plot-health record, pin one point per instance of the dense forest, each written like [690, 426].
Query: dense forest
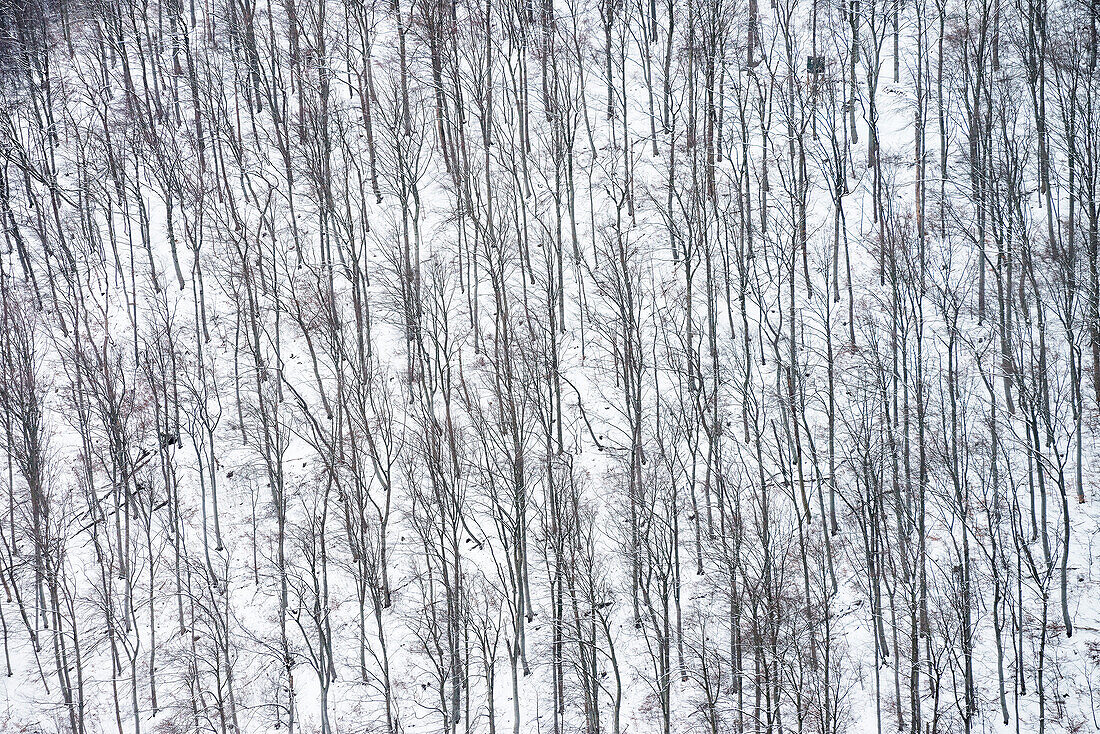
[549, 366]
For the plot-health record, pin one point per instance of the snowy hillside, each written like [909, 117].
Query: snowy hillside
[493, 366]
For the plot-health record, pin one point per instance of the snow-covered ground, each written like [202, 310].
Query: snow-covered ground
[541, 367]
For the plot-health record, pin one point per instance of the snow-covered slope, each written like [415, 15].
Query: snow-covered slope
[429, 365]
